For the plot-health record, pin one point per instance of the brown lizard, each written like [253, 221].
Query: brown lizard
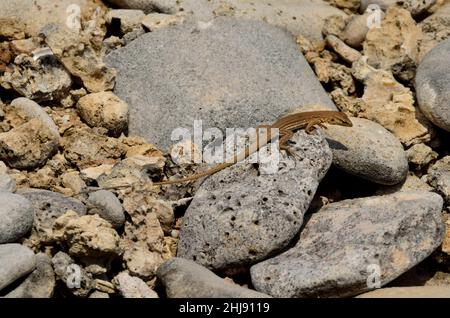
[286, 125]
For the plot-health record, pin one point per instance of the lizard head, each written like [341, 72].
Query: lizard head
[340, 119]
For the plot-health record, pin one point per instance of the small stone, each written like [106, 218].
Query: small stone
[74, 276]
[345, 242]
[409, 292]
[186, 279]
[154, 21]
[16, 217]
[15, 262]
[93, 173]
[145, 5]
[421, 155]
[104, 109]
[40, 283]
[32, 110]
[127, 19]
[106, 205]
[72, 181]
[432, 84]
[133, 287]
[28, 146]
[369, 151]
[347, 53]
[356, 29]
[86, 148]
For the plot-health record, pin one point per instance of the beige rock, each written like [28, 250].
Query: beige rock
[394, 46]
[104, 109]
[25, 46]
[346, 103]
[11, 28]
[142, 262]
[81, 57]
[351, 5]
[409, 292]
[421, 155]
[92, 173]
[5, 56]
[356, 29]
[133, 287]
[338, 75]
[390, 104]
[446, 243]
[435, 28]
[72, 181]
[28, 146]
[85, 148]
[87, 236]
[412, 182]
[154, 21]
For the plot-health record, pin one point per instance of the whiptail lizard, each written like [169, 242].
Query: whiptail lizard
[286, 125]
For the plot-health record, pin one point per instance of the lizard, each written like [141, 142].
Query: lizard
[287, 126]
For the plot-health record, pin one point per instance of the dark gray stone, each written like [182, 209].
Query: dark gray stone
[16, 217]
[240, 216]
[15, 261]
[432, 85]
[107, 205]
[369, 151]
[186, 279]
[227, 73]
[342, 245]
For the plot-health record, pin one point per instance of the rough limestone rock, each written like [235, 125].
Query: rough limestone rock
[16, 217]
[133, 287]
[15, 261]
[186, 279]
[439, 177]
[169, 84]
[39, 284]
[432, 85]
[240, 216]
[435, 28]
[348, 247]
[369, 151]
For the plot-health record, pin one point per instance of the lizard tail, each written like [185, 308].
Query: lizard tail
[196, 176]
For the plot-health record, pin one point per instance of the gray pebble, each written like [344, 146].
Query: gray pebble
[107, 205]
[186, 279]
[39, 284]
[16, 217]
[369, 151]
[7, 184]
[239, 216]
[15, 261]
[432, 85]
[347, 247]
[169, 84]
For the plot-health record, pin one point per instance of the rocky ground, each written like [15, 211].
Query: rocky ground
[91, 91]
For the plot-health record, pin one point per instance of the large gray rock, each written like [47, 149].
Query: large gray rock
[169, 84]
[39, 284]
[48, 206]
[348, 247]
[15, 261]
[186, 279]
[432, 85]
[369, 151]
[439, 177]
[16, 217]
[239, 216]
